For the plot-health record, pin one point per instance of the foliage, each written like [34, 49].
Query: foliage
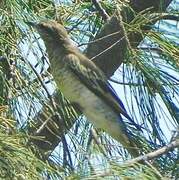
[17, 161]
[149, 73]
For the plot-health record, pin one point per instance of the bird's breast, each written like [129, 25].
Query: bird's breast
[69, 84]
[94, 108]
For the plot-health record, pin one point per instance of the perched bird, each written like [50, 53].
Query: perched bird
[84, 84]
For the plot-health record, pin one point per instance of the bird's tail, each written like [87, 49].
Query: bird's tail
[130, 129]
[129, 139]
[124, 112]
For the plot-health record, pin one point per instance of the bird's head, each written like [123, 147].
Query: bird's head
[51, 31]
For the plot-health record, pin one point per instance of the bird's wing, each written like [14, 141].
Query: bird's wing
[94, 79]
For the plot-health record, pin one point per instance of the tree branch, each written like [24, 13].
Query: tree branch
[110, 60]
[100, 9]
[155, 154]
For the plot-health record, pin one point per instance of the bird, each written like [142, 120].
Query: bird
[85, 85]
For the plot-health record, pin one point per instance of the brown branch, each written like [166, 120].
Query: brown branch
[155, 154]
[166, 16]
[100, 9]
[110, 60]
[157, 6]
[49, 127]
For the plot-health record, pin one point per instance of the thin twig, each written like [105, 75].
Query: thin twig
[101, 10]
[95, 137]
[100, 39]
[155, 154]
[108, 48]
[166, 16]
[54, 107]
[121, 24]
[139, 84]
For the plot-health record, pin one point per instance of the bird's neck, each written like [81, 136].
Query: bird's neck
[57, 52]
